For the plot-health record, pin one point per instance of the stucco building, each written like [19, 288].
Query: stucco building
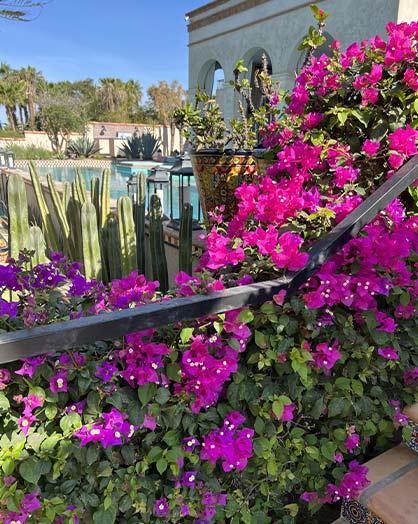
[224, 31]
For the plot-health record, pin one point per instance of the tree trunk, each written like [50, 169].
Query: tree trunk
[31, 109]
[11, 117]
[172, 137]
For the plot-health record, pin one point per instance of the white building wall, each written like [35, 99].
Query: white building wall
[277, 26]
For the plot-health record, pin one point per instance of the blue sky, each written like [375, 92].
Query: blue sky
[72, 39]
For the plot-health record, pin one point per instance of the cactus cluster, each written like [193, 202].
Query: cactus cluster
[82, 225]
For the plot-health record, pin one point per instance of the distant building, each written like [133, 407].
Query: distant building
[224, 31]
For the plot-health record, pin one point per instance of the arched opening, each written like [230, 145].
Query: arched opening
[211, 77]
[257, 60]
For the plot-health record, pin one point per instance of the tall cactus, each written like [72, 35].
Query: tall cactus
[95, 196]
[61, 216]
[157, 249]
[127, 239]
[185, 239]
[111, 249]
[105, 198]
[139, 219]
[92, 258]
[80, 187]
[37, 245]
[66, 195]
[18, 215]
[46, 218]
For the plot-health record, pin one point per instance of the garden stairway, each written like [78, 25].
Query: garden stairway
[392, 496]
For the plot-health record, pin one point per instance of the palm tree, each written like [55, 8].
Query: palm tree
[133, 96]
[34, 83]
[12, 93]
[112, 94]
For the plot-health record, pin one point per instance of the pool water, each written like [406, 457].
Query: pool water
[118, 183]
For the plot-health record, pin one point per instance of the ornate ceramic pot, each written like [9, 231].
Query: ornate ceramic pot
[218, 175]
[262, 163]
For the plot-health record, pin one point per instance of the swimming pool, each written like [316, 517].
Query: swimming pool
[118, 183]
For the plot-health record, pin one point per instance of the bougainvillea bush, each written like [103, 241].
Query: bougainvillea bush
[253, 416]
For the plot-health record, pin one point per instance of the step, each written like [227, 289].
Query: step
[392, 496]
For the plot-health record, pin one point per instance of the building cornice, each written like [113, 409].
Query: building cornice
[206, 7]
[225, 13]
[254, 22]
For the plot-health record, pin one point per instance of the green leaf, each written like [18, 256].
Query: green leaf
[328, 450]
[174, 372]
[105, 516]
[272, 468]
[146, 393]
[154, 454]
[92, 454]
[277, 407]
[260, 339]
[32, 469]
[186, 334]
[163, 394]
[4, 402]
[416, 105]
[336, 406]
[50, 411]
[245, 316]
[161, 465]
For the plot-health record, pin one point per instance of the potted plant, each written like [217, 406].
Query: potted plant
[220, 162]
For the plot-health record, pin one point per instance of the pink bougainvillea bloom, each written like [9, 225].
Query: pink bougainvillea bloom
[395, 160]
[287, 415]
[352, 442]
[369, 95]
[280, 297]
[404, 141]
[410, 78]
[345, 175]
[410, 376]
[388, 353]
[338, 457]
[326, 356]
[351, 485]
[371, 147]
[4, 378]
[25, 423]
[190, 443]
[149, 422]
[30, 503]
[289, 257]
[313, 120]
[30, 365]
[106, 371]
[59, 382]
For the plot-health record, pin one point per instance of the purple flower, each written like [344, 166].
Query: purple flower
[8, 309]
[25, 423]
[30, 503]
[161, 508]
[190, 443]
[9, 480]
[287, 414]
[30, 366]
[338, 457]
[326, 356]
[410, 376]
[77, 407]
[106, 371]
[352, 442]
[388, 353]
[189, 479]
[4, 378]
[184, 510]
[59, 382]
[149, 423]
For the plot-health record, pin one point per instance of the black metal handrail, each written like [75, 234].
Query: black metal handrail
[72, 333]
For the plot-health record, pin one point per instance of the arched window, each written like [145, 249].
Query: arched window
[211, 77]
[256, 60]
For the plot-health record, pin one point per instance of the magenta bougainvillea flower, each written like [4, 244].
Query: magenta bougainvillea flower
[388, 353]
[230, 445]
